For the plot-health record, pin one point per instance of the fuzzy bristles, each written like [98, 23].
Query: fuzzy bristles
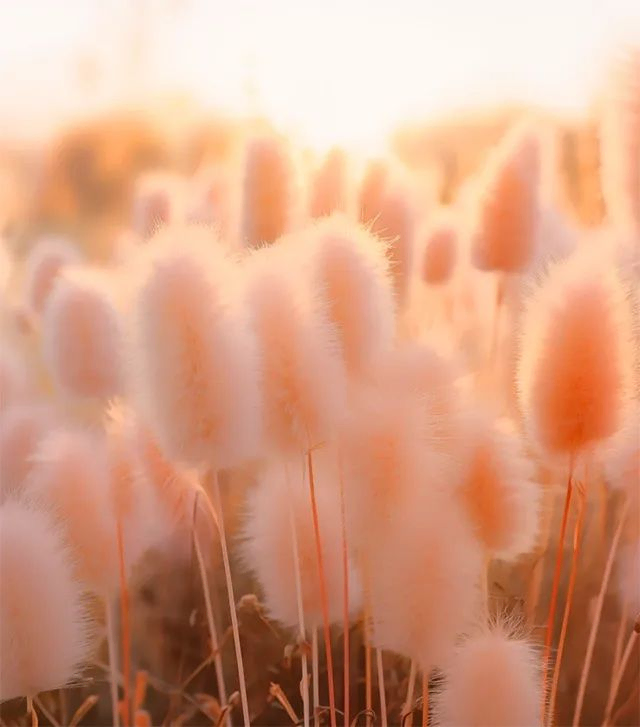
[302, 375]
[267, 546]
[420, 573]
[82, 337]
[43, 620]
[196, 369]
[491, 680]
[576, 361]
[174, 486]
[385, 459]
[212, 200]
[420, 373]
[158, 200]
[21, 429]
[70, 477]
[372, 188]
[497, 491]
[352, 272]
[506, 211]
[130, 492]
[171, 492]
[396, 224]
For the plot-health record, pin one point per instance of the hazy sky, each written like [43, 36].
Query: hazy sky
[342, 70]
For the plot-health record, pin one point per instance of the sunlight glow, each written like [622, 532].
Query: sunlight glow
[333, 72]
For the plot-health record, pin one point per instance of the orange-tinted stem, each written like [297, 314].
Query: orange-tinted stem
[586, 667]
[142, 718]
[535, 583]
[367, 672]
[126, 628]
[617, 680]
[345, 599]
[140, 690]
[548, 640]
[63, 706]
[31, 712]
[323, 591]
[368, 680]
[577, 535]
[617, 653]
[381, 689]
[407, 710]
[231, 597]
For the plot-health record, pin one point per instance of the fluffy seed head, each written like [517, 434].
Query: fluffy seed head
[491, 680]
[174, 486]
[421, 373]
[440, 252]
[372, 189]
[43, 622]
[303, 378]
[576, 364]
[196, 375]
[396, 223]
[129, 491]
[421, 573]
[122, 474]
[268, 191]
[497, 492]
[21, 429]
[385, 459]
[557, 237]
[82, 337]
[506, 211]
[70, 476]
[212, 200]
[351, 269]
[45, 262]
[329, 186]
[158, 200]
[170, 492]
[267, 546]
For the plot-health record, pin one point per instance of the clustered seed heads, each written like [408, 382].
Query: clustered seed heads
[254, 362]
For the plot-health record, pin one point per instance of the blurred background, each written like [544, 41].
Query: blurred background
[95, 93]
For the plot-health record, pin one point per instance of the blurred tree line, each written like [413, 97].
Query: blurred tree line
[82, 182]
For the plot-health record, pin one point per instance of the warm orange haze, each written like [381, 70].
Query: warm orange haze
[319, 359]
